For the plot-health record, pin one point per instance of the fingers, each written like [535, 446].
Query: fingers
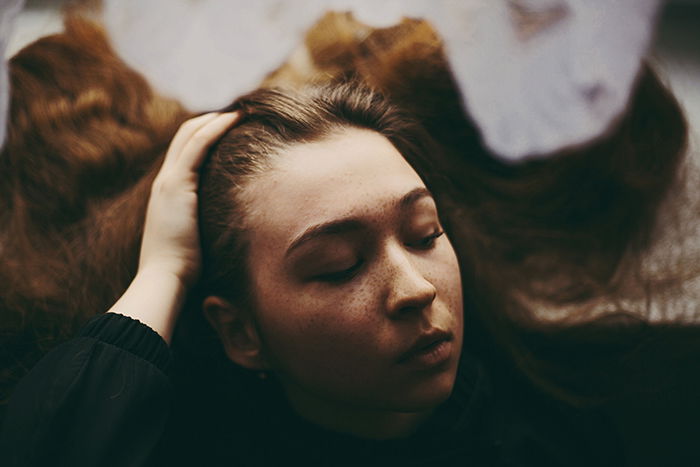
[189, 145]
[195, 149]
[184, 133]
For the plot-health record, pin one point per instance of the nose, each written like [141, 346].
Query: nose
[408, 289]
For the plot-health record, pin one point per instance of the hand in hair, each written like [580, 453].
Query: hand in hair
[170, 257]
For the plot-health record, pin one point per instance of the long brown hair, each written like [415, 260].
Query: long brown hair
[550, 249]
[87, 136]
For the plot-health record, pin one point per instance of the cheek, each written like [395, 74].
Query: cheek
[314, 329]
[453, 281]
[447, 276]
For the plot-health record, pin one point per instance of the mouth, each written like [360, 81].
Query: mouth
[430, 349]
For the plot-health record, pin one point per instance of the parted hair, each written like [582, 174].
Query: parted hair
[274, 120]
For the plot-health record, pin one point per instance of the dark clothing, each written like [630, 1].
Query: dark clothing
[114, 397]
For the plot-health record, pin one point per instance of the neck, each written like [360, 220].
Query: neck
[352, 420]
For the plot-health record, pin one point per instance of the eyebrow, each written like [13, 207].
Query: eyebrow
[352, 224]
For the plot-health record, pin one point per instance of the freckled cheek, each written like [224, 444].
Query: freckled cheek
[307, 324]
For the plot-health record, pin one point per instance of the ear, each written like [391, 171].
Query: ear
[237, 331]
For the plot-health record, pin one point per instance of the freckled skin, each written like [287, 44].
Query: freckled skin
[337, 344]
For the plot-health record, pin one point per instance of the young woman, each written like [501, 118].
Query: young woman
[85, 143]
[326, 271]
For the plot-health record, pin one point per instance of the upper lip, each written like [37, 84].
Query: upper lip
[425, 340]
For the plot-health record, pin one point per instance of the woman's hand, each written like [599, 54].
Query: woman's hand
[171, 237]
[170, 258]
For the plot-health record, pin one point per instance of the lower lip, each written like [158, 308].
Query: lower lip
[432, 356]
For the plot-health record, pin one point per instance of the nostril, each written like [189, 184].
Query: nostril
[412, 299]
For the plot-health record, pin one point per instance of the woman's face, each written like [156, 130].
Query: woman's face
[357, 291]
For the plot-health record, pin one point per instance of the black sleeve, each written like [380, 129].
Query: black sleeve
[101, 399]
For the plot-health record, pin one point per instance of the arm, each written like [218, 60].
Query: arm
[103, 398]
[170, 258]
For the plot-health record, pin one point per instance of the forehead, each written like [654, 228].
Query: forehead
[354, 172]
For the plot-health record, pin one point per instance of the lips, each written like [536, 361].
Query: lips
[433, 346]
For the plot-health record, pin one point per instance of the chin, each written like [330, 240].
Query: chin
[428, 394]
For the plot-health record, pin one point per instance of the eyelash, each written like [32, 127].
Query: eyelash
[347, 274]
[340, 276]
[429, 241]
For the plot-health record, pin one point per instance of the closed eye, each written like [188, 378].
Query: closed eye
[339, 276]
[428, 242]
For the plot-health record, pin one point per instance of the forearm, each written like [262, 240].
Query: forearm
[170, 251]
[155, 298]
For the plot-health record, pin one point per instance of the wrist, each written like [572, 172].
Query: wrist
[167, 269]
[160, 280]
[155, 297]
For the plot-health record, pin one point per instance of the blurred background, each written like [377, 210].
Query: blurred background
[676, 55]
[676, 49]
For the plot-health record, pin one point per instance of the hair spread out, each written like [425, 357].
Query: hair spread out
[87, 136]
[85, 139]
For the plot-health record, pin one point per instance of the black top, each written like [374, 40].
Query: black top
[112, 397]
